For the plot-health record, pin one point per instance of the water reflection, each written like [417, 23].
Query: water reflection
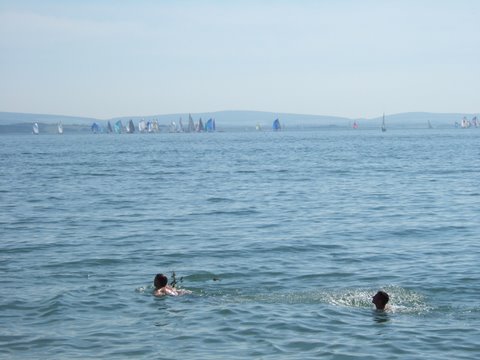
[380, 316]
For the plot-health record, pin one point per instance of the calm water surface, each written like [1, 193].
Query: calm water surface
[300, 229]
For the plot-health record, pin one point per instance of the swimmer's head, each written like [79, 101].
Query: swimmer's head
[380, 300]
[160, 281]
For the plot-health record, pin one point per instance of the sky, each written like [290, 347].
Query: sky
[109, 58]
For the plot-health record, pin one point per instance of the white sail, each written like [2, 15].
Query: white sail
[60, 128]
[35, 129]
[142, 126]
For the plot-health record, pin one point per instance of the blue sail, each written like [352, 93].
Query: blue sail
[118, 127]
[95, 128]
[276, 125]
[209, 126]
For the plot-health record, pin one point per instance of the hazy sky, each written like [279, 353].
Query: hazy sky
[347, 58]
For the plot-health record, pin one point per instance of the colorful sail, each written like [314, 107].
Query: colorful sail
[155, 127]
[118, 127]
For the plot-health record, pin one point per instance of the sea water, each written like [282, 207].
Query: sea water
[282, 237]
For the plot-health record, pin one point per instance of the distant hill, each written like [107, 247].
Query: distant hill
[22, 122]
[9, 118]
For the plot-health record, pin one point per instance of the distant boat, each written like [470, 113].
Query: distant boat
[465, 123]
[95, 128]
[35, 129]
[258, 127]
[475, 121]
[200, 127]
[384, 127]
[118, 127]
[60, 128]
[130, 127]
[155, 127]
[355, 125]
[191, 124]
[142, 126]
[430, 125]
[276, 125]
[109, 127]
[210, 125]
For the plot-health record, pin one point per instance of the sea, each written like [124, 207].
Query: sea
[281, 237]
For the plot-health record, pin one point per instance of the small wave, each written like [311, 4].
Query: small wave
[401, 300]
[219, 200]
[241, 212]
[245, 172]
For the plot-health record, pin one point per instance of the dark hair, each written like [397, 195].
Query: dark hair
[160, 281]
[384, 296]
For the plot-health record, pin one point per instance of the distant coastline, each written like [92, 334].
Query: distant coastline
[21, 123]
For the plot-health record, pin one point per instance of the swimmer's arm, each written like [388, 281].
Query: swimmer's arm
[183, 292]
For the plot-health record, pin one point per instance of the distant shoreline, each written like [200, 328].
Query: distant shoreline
[21, 123]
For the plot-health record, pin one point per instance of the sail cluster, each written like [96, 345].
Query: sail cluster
[465, 123]
[152, 126]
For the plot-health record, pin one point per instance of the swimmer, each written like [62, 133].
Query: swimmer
[162, 288]
[380, 300]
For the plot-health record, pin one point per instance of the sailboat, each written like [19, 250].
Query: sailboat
[118, 127]
[130, 127]
[430, 125]
[355, 125]
[200, 127]
[191, 125]
[35, 129]
[258, 127]
[475, 121]
[60, 128]
[276, 125]
[384, 128]
[109, 127]
[142, 126]
[155, 127]
[95, 128]
[210, 125]
[465, 123]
